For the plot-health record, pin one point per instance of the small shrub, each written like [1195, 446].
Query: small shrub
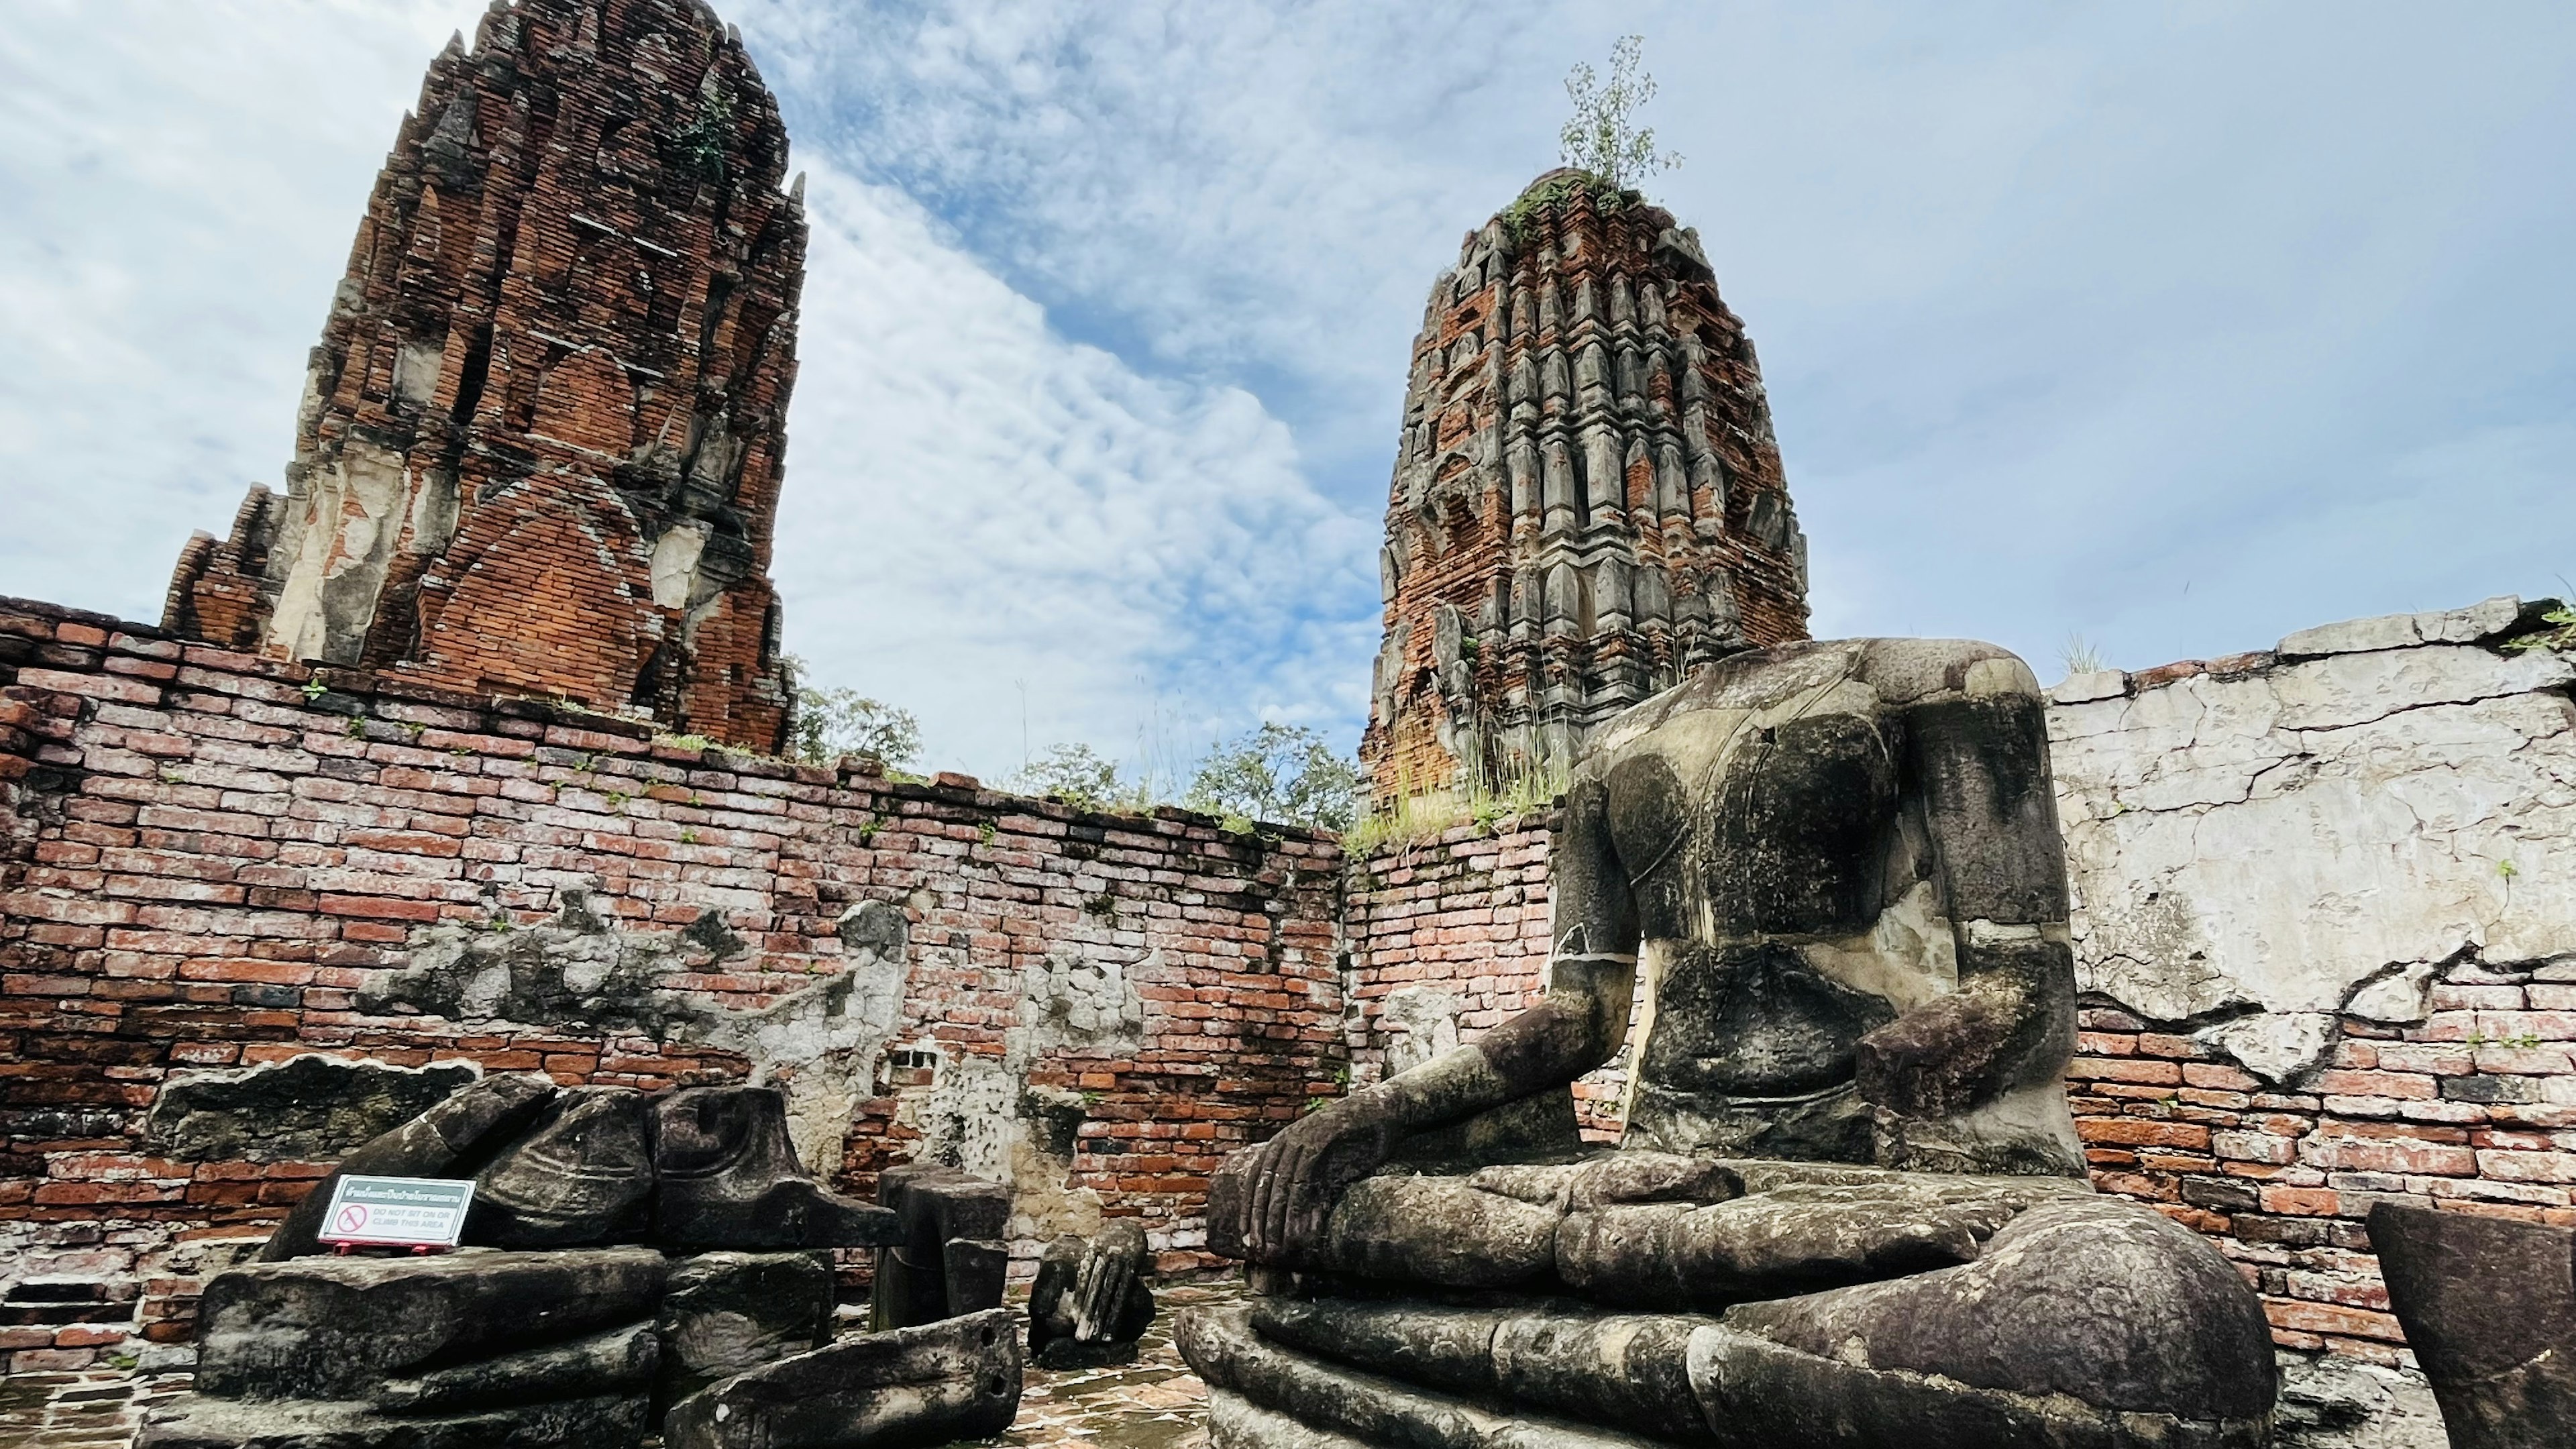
[832, 722]
[2559, 638]
[1602, 137]
[2080, 656]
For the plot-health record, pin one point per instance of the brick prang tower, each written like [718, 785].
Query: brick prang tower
[539, 449]
[1588, 499]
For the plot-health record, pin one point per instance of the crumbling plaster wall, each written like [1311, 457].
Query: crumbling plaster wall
[2267, 842]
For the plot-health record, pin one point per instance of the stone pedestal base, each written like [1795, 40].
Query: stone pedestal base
[1589, 1379]
[203, 1423]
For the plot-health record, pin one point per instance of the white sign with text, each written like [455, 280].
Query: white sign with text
[397, 1212]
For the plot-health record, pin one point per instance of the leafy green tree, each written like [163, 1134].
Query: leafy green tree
[1603, 137]
[830, 723]
[1281, 773]
[1077, 775]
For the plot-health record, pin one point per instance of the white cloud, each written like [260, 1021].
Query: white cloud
[981, 514]
[2182, 326]
[182, 182]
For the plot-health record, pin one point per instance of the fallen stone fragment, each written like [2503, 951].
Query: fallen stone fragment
[2489, 1306]
[619, 1359]
[584, 1175]
[437, 1143]
[729, 1178]
[958, 1378]
[940, 1207]
[334, 1328]
[728, 1313]
[1090, 1302]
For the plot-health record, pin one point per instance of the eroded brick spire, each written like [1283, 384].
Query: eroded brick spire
[539, 449]
[1588, 500]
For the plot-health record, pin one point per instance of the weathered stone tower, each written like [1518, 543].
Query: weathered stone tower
[1588, 499]
[539, 449]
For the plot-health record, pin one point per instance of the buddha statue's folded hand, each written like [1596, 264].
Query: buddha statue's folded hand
[1298, 1175]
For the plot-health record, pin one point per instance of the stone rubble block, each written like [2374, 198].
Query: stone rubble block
[729, 1313]
[958, 1378]
[336, 1328]
[2091, 685]
[919, 1278]
[2489, 1307]
[2482, 620]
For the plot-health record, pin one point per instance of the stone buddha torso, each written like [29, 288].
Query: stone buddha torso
[1849, 1205]
[1779, 845]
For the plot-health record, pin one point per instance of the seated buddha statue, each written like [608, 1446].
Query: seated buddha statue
[1848, 1207]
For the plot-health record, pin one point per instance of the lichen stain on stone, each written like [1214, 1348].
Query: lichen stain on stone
[308, 1108]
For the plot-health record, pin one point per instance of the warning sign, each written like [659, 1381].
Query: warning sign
[398, 1212]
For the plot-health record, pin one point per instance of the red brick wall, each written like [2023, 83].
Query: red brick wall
[2472, 1109]
[202, 867]
[1463, 917]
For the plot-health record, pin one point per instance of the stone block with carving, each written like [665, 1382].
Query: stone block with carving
[728, 1313]
[1090, 1302]
[727, 1177]
[583, 1174]
[958, 1378]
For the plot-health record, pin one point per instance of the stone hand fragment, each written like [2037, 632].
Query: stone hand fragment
[958, 1378]
[728, 1178]
[1090, 1302]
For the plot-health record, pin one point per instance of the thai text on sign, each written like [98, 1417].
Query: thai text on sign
[402, 1212]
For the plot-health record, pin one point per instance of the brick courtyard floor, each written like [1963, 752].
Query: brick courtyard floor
[1152, 1403]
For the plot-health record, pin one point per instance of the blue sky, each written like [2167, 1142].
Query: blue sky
[2178, 326]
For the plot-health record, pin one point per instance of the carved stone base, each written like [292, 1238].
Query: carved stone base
[197, 1422]
[1288, 1400]
[958, 1378]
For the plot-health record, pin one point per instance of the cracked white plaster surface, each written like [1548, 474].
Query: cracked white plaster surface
[2287, 837]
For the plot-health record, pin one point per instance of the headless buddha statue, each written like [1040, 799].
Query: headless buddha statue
[1849, 1208]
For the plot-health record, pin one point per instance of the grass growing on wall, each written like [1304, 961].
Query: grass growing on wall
[1524, 789]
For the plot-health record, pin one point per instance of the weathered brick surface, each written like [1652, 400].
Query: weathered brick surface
[221, 867]
[541, 444]
[1446, 939]
[1588, 499]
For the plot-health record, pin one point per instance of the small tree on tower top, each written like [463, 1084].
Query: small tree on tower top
[1602, 137]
